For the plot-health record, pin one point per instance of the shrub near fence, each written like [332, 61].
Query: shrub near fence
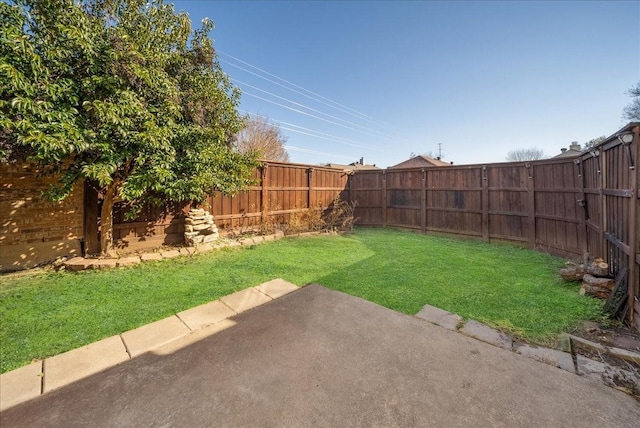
[280, 191]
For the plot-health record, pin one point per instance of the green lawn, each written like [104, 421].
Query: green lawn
[504, 286]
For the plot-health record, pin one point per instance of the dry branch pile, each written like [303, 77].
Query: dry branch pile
[594, 275]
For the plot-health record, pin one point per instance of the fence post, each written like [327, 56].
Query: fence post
[384, 199]
[582, 203]
[485, 203]
[633, 286]
[264, 205]
[423, 202]
[531, 204]
[309, 178]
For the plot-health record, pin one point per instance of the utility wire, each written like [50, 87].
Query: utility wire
[316, 97]
[309, 114]
[314, 133]
[308, 108]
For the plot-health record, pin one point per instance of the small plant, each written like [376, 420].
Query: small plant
[339, 216]
[309, 220]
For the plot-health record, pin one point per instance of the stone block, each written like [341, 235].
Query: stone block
[205, 248]
[20, 385]
[439, 317]
[188, 228]
[487, 334]
[209, 238]
[189, 235]
[279, 234]
[552, 357]
[247, 241]
[267, 238]
[104, 264]
[245, 299]
[128, 261]
[204, 315]
[276, 288]
[150, 256]
[79, 363]
[199, 227]
[170, 254]
[78, 263]
[153, 335]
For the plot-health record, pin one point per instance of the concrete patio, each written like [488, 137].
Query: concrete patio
[311, 357]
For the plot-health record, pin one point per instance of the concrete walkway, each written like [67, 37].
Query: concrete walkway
[42, 377]
[318, 357]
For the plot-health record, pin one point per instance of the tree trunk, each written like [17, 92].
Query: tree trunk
[606, 283]
[598, 268]
[595, 291]
[106, 220]
[572, 273]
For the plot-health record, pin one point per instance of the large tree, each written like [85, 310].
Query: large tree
[529, 154]
[632, 111]
[122, 93]
[263, 139]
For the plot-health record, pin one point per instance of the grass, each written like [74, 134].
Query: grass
[507, 287]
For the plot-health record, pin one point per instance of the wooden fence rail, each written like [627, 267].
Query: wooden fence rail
[281, 190]
[568, 207]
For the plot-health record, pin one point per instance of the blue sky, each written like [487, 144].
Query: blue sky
[391, 78]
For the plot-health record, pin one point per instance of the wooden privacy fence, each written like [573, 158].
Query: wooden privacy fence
[281, 190]
[567, 206]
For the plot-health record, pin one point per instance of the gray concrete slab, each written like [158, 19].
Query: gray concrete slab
[20, 385]
[246, 299]
[487, 334]
[276, 288]
[440, 317]
[204, 315]
[553, 357]
[76, 364]
[153, 335]
[318, 357]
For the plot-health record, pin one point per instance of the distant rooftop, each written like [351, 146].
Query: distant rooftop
[573, 150]
[421, 161]
[354, 166]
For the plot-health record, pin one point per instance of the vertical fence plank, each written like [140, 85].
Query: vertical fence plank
[531, 205]
[384, 199]
[485, 203]
[423, 202]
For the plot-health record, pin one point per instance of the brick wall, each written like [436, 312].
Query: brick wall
[33, 230]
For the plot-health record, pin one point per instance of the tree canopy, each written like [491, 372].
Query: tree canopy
[262, 139]
[632, 110]
[529, 154]
[120, 92]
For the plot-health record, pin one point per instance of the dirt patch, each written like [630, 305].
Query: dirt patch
[618, 373]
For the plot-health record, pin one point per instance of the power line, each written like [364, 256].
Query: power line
[309, 114]
[314, 133]
[355, 112]
[314, 152]
[316, 97]
[308, 108]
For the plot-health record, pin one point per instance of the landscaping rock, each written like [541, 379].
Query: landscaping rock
[150, 256]
[440, 317]
[128, 261]
[171, 254]
[487, 334]
[552, 357]
[78, 264]
[104, 264]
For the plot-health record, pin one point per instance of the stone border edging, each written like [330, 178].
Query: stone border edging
[564, 358]
[81, 263]
[162, 336]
